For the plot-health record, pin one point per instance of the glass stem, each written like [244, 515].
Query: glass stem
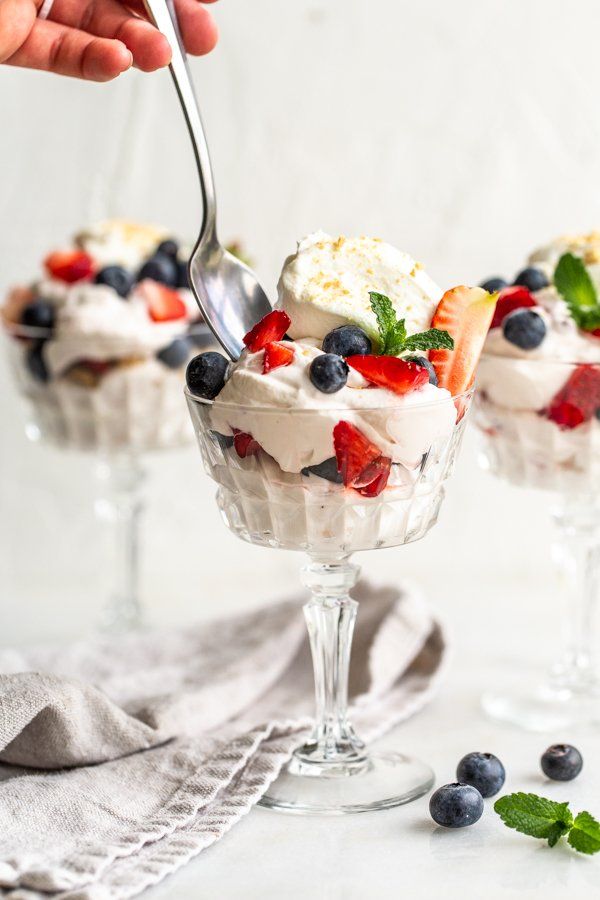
[578, 550]
[330, 616]
[121, 505]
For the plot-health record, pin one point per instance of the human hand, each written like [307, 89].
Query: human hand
[97, 39]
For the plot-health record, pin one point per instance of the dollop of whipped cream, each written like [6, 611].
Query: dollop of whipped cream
[293, 421]
[326, 283]
[120, 242]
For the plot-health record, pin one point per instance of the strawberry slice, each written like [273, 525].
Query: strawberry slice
[466, 313]
[244, 444]
[271, 327]
[353, 452]
[277, 355]
[164, 304]
[509, 299]
[395, 374]
[69, 265]
[578, 400]
[374, 478]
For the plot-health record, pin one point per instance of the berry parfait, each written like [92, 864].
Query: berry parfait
[98, 347]
[335, 432]
[538, 408]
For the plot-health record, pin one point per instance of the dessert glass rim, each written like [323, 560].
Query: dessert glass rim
[487, 354]
[16, 329]
[278, 410]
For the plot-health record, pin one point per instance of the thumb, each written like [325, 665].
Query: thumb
[17, 18]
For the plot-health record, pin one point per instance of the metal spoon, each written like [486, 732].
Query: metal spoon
[227, 291]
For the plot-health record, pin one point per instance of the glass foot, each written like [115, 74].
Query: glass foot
[545, 709]
[382, 781]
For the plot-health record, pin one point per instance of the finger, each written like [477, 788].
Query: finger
[198, 29]
[16, 21]
[56, 48]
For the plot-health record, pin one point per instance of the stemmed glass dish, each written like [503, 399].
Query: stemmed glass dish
[552, 444]
[312, 511]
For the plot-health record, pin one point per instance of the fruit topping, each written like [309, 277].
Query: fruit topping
[164, 304]
[561, 762]
[466, 313]
[38, 314]
[578, 400]
[456, 805]
[271, 327]
[327, 470]
[328, 372]
[277, 355]
[244, 444]
[532, 278]
[493, 285]
[168, 247]
[116, 277]
[347, 340]
[205, 374]
[183, 278]
[511, 298]
[174, 354]
[389, 372]
[35, 362]
[424, 362]
[374, 478]
[69, 265]
[483, 771]
[160, 267]
[359, 461]
[524, 328]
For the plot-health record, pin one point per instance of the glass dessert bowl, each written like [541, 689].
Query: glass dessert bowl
[538, 410]
[98, 348]
[322, 445]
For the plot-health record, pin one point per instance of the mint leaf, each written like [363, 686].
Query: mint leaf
[535, 816]
[585, 834]
[386, 319]
[573, 282]
[434, 339]
[393, 339]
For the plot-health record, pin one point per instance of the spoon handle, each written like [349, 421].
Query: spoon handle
[162, 14]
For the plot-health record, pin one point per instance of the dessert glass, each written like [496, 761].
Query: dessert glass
[334, 772]
[526, 448]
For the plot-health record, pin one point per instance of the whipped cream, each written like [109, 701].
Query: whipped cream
[326, 283]
[117, 241]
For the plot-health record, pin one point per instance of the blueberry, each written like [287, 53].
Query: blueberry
[328, 373]
[205, 374]
[562, 762]
[524, 328]
[174, 354]
[327, 470]
[35, 362]
[494, 284]
[116, 277]
[38, 314]
[456, 805]
[531, 278]
[183, 279]
[160, 268]
[483, 771]
[199, 335]
[424, 362]
[347, 340]
[169, 247]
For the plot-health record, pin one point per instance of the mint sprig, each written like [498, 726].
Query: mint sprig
[393, 339]
[547, 819]
[572, 280]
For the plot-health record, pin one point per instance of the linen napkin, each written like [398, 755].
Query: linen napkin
[122, 759]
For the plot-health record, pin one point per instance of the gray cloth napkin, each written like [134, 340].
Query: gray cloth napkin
[122, 759]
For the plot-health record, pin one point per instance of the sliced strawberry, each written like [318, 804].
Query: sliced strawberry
[509, 299]
[353, 452]
[70, 265]
[244, 444]
[164, 304]
[277, 355]
[374, 478]
[466, 313]
[578, 400]
[395, 374]
[271, 327]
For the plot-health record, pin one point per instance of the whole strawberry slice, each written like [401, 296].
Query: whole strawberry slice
[466, 314]
[578, 400]
[271, 327]
[353, 452]
[69, 265]
[511, 298]
[374, 478]
[244, 444]
[164, 304]
[277, 355]
[395, 374]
